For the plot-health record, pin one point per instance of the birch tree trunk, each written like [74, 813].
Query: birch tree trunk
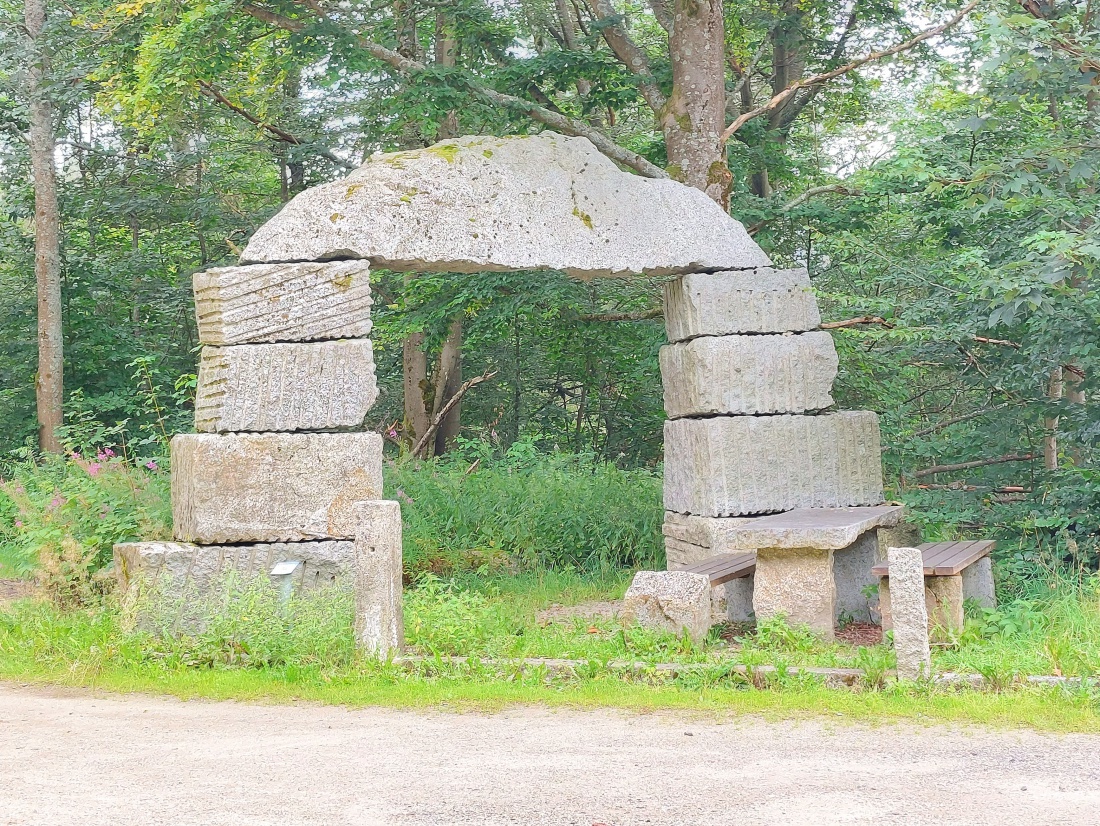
[49, 386]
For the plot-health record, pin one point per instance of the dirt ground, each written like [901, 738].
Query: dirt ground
[15, 589]
[73, 758]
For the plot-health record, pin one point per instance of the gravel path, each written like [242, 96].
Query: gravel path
[71, 758]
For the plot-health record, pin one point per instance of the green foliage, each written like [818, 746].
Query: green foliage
[526, 509]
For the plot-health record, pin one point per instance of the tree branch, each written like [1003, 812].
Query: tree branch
[212, 92]
[853, 322]
[442, 414]
[999, 460]
[781, 98]
[641, 315]
[555, 120]
[956, 420]
[798, 200]
[628, 52]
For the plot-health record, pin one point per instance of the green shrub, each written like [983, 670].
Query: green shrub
[47, 506]
[527, 510]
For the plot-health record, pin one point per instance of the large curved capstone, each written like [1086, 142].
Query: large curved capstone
[518, 203]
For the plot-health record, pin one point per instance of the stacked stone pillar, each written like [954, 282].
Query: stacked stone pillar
[748, 375]
[278, 470]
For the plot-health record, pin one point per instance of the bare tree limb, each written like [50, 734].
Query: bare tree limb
[628, 52]
[853, 322]
[999, 341]
[407, 66]
[451, 402]
[998, 460]
[956, 420]
[798, 200]
[780, 99]
[212, 92]
[641, 315]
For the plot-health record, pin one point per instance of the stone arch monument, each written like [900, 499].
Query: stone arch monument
[276, 471]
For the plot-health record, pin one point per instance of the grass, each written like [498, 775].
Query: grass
[252, 649]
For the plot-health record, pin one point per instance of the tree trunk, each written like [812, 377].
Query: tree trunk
[49, 388]
[1050, 441]
[694, 116]
[415, 367]
[447, 380]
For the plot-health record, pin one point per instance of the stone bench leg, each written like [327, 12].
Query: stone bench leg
[943, 596]
[977, 583]
[732, 601]
[799, 584]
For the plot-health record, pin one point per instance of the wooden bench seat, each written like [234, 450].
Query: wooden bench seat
[946, 558]
[725, 567]
[953, 573]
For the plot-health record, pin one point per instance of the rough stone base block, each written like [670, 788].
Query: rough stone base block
[906, 586]
[273, 387]
[272, 487]
[741, 465]
[675, 601]
[283, 302]
[727, 303]
[379, 619]
[797, 584]
[744, 375]
[181, 567]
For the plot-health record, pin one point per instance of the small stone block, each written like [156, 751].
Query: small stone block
[909, 613]
[763, 300]
[272, 487]
[675, 601]
[745, 465]
[746, 375]
[379, 623]
[797, 584]
[283, 302]
[273, 387]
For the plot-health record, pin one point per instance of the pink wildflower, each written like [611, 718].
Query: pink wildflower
[56, 502]
[93, 468]
[152, 465]
[108, 452]
[19, 523]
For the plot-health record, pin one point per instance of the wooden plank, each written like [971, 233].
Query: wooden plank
[723, 568]
[963, 557]
[938, 553]
[946, 558]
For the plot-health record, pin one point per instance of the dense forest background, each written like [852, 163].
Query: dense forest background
[943, 199]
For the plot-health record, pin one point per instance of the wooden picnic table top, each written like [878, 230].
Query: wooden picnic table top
[946, 558]
[724, 567]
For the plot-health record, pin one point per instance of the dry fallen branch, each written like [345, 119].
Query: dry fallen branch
[641, 315]
[852, 322]
[998, 460]
[451, 402]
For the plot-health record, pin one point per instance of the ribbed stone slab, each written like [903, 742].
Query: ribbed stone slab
[764, 300]
[525, 202]
[744, 465]
[272, 487]
[283, 302]
[748, 374]
[183, 566]
[272, 387]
